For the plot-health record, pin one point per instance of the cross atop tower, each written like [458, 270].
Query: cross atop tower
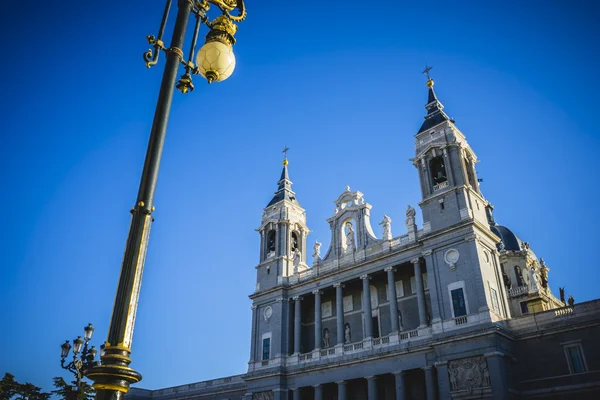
[285, 150]
[426, 72]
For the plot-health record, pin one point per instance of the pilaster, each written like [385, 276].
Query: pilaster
[367, 316]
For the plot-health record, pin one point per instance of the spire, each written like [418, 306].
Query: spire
[435, 114]
[284, 189]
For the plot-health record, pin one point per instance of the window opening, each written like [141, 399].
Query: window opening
[266, 349]
[519, 276]
[575, 359]
[438, 170]
[458, 302]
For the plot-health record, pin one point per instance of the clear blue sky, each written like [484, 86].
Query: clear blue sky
[340, 85]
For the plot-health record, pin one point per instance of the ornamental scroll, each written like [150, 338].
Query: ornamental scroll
[263, 396]
[468, 374]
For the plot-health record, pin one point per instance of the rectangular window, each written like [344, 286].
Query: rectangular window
[524, 308]
[266, 349]
[458, 302]
[348, 305]
[399, 289]
[575, 358]
[413, 285]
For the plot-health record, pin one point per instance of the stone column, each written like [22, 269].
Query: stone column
[248, 396]
[400, 385]
[280, 394]
[297, 323]
[443, 380]
[449, 169]
[318, 392]
[286, 247]
[318, 338]
[253, 341]
[342, 390]
[434, 296]
[497, 372]
[429, 383]
[296, 393]
[372, 387]
[393, 300]
[339, 310]
[366, 306]
[420, 293]
[278, 251]
[263, 245]
[290, 329]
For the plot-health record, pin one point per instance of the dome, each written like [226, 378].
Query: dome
[510, 240]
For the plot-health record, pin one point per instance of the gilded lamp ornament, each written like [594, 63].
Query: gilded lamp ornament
[215, 60]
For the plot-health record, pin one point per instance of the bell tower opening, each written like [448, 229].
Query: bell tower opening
[295, 242]
[438, 172]
[271, 242]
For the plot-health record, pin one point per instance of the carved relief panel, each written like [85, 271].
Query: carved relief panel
[468, 374]
[263, 396]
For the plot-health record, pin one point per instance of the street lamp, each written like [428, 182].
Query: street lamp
[83, 358]
[215, 62]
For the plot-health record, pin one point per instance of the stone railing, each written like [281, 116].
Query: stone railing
[182, 389]
[565, 311]
[440, 186]
[381, 341]
[461, 320]
[409, 334]
[518, 291]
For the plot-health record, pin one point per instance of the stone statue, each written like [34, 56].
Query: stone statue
[297, 256]
[544, 273]
[501, 246]
[325, 338]
[562, 294]
[317, 250]
[533, 280]
[571, 301]
[350, 246]
[386, 225]
[347, 333]
[410, 217]
[506, 279]
[400, 322]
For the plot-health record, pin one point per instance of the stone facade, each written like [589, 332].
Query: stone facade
[459, 308]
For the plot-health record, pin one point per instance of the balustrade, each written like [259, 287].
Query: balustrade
[440, 186]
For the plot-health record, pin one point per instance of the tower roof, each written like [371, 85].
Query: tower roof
[284, 189]
[435, 114]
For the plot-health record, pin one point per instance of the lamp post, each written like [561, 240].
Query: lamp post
[83, 357]
[215, 62]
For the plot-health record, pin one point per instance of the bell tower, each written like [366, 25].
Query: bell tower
[446, 164]
[283, 234]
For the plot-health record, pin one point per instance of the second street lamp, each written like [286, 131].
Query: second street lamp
[215, 62]
[83, 359]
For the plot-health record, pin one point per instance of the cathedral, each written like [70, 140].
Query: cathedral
[456, 307]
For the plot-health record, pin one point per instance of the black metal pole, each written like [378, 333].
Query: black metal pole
[113, 378]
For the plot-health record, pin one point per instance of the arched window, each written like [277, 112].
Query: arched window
[295, 242]
[519, 276]
[271, 241]
[438, 170]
